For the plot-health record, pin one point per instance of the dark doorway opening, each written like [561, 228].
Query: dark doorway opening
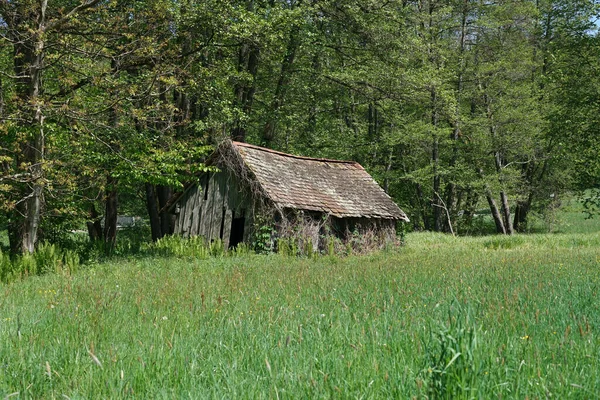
[237, 231]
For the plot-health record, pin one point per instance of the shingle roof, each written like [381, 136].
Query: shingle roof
[339, 188]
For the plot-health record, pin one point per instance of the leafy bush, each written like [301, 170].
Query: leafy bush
[47, 258]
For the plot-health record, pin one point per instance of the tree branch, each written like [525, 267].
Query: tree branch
[81, 7]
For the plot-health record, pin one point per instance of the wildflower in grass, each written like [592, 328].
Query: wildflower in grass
[526, 337]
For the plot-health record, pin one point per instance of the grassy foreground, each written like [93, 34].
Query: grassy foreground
[442, 317]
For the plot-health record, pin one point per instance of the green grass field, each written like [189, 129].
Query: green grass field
[509, 317]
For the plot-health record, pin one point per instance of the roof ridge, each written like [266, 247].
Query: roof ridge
[267, 150]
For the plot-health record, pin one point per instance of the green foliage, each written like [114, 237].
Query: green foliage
[7, 268]
[262, 236]
[47, 259]
[288, 247]
[590, 200]
[176, 246]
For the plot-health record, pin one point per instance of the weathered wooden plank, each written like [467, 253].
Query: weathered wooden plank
[217, 206]
[248, 219]
[189, 208]
[203, 205]
[192, 204]
[177, 225]
[195, 212]
[227, 228]
[206, 218]
[232, 192]
[181, 215]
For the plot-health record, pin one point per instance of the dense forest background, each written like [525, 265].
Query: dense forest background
[452, 105]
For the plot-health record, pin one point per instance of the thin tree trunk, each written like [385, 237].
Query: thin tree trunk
[152, 207]
[110, 214]
[503, 197]
[373, 125]
[435, 158]
[423, 208]
[495, 213]
[388, 168]
[506, 213]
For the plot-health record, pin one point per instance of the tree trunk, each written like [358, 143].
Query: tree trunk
[373, 130]
[495, 213]
[532, 177]
[521, 213]
[503, 197]
[161, 221]
[94, 225]
[423, 209]
[28, 65]
[111, 193]
[388, 169]
[110, 214]
[506, 213]
[469, 207]
[244, 92]
[438, 216]
[167, 220]
[152, 207]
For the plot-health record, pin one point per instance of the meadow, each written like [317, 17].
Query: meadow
[441, 317]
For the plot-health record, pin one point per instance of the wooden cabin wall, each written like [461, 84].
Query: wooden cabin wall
[208, 209]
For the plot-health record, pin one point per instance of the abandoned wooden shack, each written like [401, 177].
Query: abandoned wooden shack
[297, 196]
